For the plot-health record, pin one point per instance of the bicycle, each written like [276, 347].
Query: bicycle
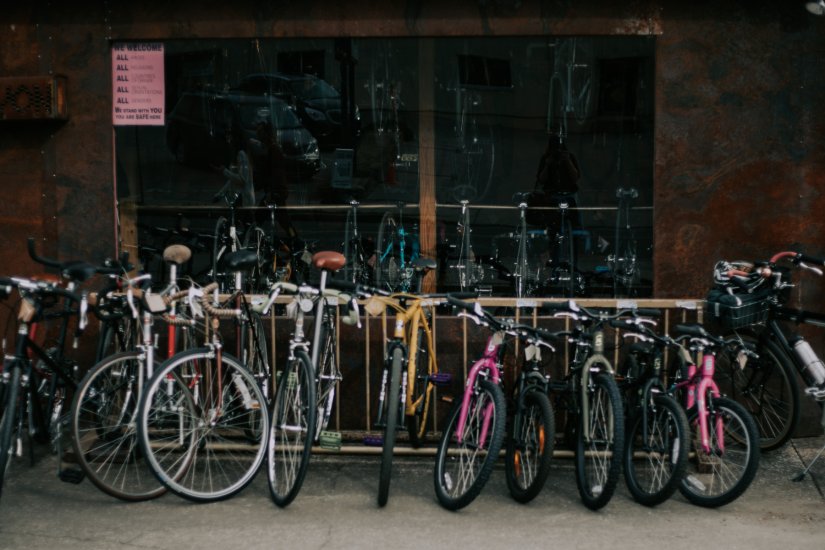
[470, 272]
[356, 269]
[203, 419]
[307, 384]
[467, 157]
[657, 440]
[725, 452]
[624, 263]
[749, 302]
[394, 255]
[572, 79]
[563, 274]
[410, 370]
[19, 392]
[590, 397]
[528, 439]
[104, 409]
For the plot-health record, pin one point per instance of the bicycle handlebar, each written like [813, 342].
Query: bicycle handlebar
[582, 313]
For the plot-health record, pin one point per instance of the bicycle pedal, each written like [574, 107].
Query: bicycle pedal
[441, 378]
[374, 441]
[71, 476]
[330, 440]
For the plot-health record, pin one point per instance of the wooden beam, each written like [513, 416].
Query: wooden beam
[426, 156]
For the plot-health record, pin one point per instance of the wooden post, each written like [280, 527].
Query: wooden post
[426, 157]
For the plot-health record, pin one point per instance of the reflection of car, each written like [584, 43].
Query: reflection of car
[315, 101]
[210, 128]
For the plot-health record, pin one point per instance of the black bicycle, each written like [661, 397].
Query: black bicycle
[749, 300]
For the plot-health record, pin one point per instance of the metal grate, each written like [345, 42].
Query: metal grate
[33, 98]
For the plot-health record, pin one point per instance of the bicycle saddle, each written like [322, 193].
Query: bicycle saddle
[423, 264]
[177, 254]
[329, 260]
[241, 260]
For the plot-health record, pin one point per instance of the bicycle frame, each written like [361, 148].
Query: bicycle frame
[487, 366]
[698, 386]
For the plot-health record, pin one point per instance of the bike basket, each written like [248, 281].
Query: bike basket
[737, 310]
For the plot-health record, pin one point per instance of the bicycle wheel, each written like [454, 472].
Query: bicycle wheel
[464, 461]
[256, 353]
[104, 434]
[392, 404]
[599, 439]
[766, 387]
[387, 262]
[655, 460]
[420, 389]
[466, 163]
[293, 422]
[721, 476]
[8, 422]
[328, 373]
[210, 421]
[355, 270]
[530, 446]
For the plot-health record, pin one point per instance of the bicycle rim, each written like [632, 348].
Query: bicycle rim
[256, 353]
[530, 446]
[209, 427]
[464, 462]
[104, 434]
[392, 405]
[766, 387]
[720, 477]
[293, 421]
[599, 436]
[655, 460]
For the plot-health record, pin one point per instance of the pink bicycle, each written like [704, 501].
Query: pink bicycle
[474, 434]
[724, 453]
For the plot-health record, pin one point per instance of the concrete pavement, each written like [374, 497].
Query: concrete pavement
[336, 509]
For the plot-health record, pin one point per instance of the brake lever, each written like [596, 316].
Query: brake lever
[810, 268]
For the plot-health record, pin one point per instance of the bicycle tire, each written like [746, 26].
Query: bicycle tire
[225, 456]
[104, 438]
[767, 387]
[721, 477]
[530, 446]
[8, 421]
[328, 374]
[256, 353]
[598, 462]
[387, 267]
[293, 422]
[392, 405]
[420, 392]
[456, 461]
[654, 463]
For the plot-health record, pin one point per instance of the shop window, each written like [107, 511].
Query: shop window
[425, 122]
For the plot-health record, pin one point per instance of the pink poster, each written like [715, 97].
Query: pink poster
[137, 84]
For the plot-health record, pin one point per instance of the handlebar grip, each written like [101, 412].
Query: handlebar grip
[451, 298]
[691, 330]
[810, 259]
[39, 259]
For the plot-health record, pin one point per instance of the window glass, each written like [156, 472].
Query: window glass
[298, 128]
